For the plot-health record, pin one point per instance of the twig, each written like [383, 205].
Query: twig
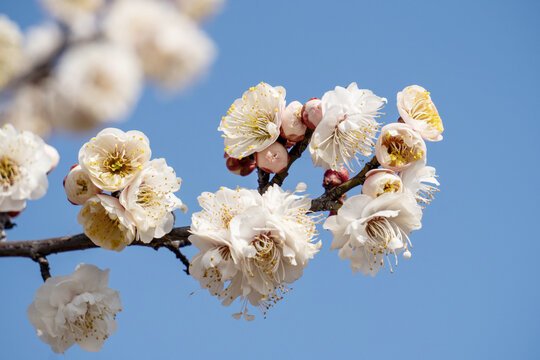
[263, 178]
[43, 267]
[329, 199]
[294, 154]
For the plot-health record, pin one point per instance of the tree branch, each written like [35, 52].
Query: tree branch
[329, 199]
[263, 178]
[43, 267]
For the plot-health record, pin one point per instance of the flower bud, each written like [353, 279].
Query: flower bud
[312, 113]
[334, 178]
[242, 166]
[273, 159]
[292, 127]
[399, 146]
[53, 155]
[380, 181]
[78, 186]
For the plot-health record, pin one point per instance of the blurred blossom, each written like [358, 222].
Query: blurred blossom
[101, 79]
[200, 10]
[28, 111]
[10, 50]
[79, 15]
[78, 308]
[173, 50]
[347, 128]
[24, 164]
[40, 43]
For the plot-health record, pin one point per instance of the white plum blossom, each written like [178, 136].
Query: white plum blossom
[381, 181]
[78, 186]
[399, 146]
[80, 15]
[253, 121]
[40, 43]
[24, 164]
[150, 200]
[78, 308]
[199, 10]
[416, 179]
[113, 158]
[172, 49]
[418, 111]
[100, 79]
[347, 128]
[252, 246]
[10, 50]
[368, 230]
[107, 223]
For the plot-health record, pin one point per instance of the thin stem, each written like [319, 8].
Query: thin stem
[43, 267]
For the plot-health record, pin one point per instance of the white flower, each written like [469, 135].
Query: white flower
[418, 111]
[107, 223]
[101, 79]
[78, 308]
[414, 179]
[253, 121]
[347, 128]
[40, 43]
[200, 9]
[399, 146]
[150, 200]
[10, 49]
[368, 230]
[113, 158]
[28, 111]
[78, 186]
[252, 246]
[24, 164]
[381, 181]
[80, 15]
[173, 50]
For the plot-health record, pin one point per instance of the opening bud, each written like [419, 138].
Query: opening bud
[312, 113]
[273, 159]
[78, 186]
[242, 167]
[380, 181]
[334, 178]
[292, 127]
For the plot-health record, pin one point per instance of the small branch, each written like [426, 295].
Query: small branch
[294, 154]
[329, 199]
[43, 267]
[5, 224]
[263, 178]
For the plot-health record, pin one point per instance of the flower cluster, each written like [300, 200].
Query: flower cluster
[78, 308]
[99, 53]
[141, 198]
[251, 246]
[25, 161]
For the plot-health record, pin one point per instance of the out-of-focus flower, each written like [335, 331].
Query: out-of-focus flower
[273, 159]
[173, 50]
[254, 244]
[347, 128]
[312, 113]
[24, 164]
[107, 223]
[40, 43]
[399, 146]
[10, 50]
[100, 79]
[418, 111]
[199, 10]
[243, 167]
[113, 158]
[333, 178]
[29, 111]
[381, 181]
[78, 308]
[80, 15]
[416, 179]
[78, 186]
[150, 200]
[253, 121]
[368, 230]
[292, 127]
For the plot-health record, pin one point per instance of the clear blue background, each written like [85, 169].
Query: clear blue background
[471, 289]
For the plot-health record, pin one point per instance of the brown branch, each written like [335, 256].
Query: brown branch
[294, 154]
[329, 200]
[39, 249]
[43, 267]
[263, 178]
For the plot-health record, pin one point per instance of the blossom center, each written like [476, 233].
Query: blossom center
[391, 186]
[266, 258]
[9, 171]
[117, 163]
[423, 109]
[92, 324]
[399, 151]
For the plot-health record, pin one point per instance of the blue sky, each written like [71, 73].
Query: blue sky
[471, 289]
